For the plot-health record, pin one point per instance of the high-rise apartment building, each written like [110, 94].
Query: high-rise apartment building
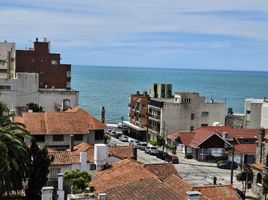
[52, 74]
[7, 60]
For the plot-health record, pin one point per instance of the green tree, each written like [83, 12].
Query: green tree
[14, 154]
[78, 180]
[160, 141]
[3, 109]
[38, 171]
[34, 107]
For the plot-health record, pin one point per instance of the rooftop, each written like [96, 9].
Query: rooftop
[72, 121]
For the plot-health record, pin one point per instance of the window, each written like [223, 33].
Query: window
[204, 125]
[99, 135]
[54, 172]
[58, 138]
[66, 103]
[204, 114]
[78, 137]
[191, 128]
[259, 178]
[267, 160]
[192, 116]
[68, 74]
[68, 85]
[39, 138]
[248, 111]
[54, 62]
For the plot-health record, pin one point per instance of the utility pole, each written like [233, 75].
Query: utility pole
[122, 124]
[232, 164]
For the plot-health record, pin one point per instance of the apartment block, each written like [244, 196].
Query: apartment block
[138, 108]
[7, 60]
[38, 59]
[186, 112]
[160, 90]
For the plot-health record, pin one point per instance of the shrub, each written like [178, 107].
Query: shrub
[152, 142]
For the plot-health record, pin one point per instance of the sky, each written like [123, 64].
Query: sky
[194, 34]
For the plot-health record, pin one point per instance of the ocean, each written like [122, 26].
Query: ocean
[111, 86]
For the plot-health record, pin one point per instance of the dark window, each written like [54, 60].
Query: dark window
[3, 70]
[191, 128]
[205, 114]
[5, 87]
[192, 116]
[99, 135]
[39, 138]
[259, 178]
[78, 137]
[57, 137]
[267, 160]
[248, 111]
[204, 125]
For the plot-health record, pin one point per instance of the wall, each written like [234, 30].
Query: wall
[24, 90]
[264, 115]
[253, 113]
[177, 116]
[40, 60]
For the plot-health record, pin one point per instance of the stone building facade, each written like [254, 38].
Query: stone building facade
[260, 168]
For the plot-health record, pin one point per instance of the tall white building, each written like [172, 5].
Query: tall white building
[186, 112]
[7, 60]
[253, 113]
[264, 114]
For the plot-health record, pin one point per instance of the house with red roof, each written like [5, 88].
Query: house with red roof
[54, 129]
[213, 141]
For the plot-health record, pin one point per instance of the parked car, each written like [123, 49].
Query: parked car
[227, 164]
[118, 134]
[112, 133]
[162, 155]
[151, 150]
[141, 146]
[108, 131]
[132, 142]
[123, 138]
[173, 159]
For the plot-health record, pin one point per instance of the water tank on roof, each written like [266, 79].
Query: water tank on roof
[100, 155]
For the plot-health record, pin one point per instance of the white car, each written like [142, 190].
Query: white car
[123, 138]
[132, 142]
[151, 150]
[142, 145]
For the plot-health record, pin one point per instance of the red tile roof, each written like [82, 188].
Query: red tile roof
[64, 157]
[162, 170]
[122, 152]
[179, 186]
[120, 173]
[258, 166]
[217, 192]
[245, 148]
[72, 121]
[146, 189]
[208, 192]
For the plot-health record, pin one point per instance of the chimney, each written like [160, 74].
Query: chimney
[102, 196]
[100, 155]
[138, 93]
[193, 195]
[83, 161]
[47, 193]
[60, 191]
[71, 142]
[135, 153]
[36, 39]
[102, 114]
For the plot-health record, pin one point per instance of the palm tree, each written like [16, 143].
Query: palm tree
[14, 154]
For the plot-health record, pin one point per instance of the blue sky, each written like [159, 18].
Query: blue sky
[207, 34]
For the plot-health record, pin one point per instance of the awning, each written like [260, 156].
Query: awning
[127, 123]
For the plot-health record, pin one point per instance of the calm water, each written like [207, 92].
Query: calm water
[111, 86]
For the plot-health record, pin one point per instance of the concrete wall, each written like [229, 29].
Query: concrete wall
[24, 90]
[252, 113]
[177, 116]
[264, 115]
